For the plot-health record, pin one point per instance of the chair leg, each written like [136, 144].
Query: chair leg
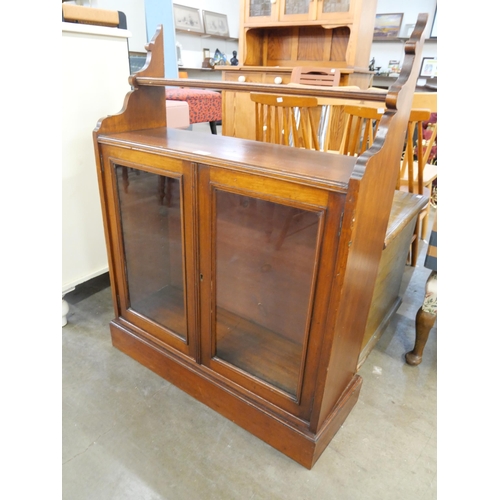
[213, 127]
[424, 321]
[425, 224]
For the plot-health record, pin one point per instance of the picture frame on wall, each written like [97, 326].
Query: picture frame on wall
[428, 69]
[387, 26]
[434, 29]
[187, 19]
[215, 24]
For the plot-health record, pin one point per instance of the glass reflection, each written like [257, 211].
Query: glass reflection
[265, 255]
[260, 8]
[150, 210]
[336, 6]
[297, 7]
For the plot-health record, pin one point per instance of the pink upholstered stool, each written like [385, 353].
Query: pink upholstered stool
[204, 105]
[177, 114]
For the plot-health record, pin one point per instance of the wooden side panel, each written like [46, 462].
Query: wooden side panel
[254, 53]
[362, 239]
[340, 42]
[144, 107]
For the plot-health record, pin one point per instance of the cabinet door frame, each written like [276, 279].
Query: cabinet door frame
[286, 193]
[336, 17]
[260, 20]
[309, 16]
[315, 14]
[183, 171]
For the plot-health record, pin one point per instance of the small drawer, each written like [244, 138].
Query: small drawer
[240, 76]
[277, 78]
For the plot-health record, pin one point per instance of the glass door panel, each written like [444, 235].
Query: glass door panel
[260, 11]
[150, 214]
[297, 7]
[258, 8]
[297, 10]
[265, 263]
[330, 6]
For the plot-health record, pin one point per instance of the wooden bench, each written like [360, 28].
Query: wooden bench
[387, 294]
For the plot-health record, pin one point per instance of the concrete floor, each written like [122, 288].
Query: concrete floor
[129, 434]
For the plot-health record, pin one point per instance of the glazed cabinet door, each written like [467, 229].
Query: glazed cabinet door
[337, 11]
[150, 218]
[298, 10]
[264, 281]
[260, 12]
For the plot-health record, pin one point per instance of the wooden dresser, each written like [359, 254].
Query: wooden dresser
[277, 35]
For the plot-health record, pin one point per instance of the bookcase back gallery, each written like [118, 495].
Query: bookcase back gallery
[266, 334]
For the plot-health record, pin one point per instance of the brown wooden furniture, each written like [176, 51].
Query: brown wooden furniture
[360, 129]
[296, 33]
[315, 76]
[417, 176]
[361, 125]
[88, 15]
[427, 314]
[388, 291]
[269, 338]
[276, 37]
[237, 109]
[285, 120]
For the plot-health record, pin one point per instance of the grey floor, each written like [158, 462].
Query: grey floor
[129, 434]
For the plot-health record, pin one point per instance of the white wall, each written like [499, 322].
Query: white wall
[383, 52]
[193, 45]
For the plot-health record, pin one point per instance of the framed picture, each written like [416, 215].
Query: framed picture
[215, 24]
[429, 68]
[434, 29]
[187, 19]
[387, 26]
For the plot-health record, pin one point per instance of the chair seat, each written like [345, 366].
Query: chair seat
[430, 174]
[426, 193]
[204, 105]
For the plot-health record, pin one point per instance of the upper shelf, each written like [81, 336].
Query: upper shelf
[401, 40]
[204, 35]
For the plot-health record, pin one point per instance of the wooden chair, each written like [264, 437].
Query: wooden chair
[361, 124]
[426, 316]
[312, 76]
[418, 176]
[360, 128]
[309, 75]
[285, 120]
